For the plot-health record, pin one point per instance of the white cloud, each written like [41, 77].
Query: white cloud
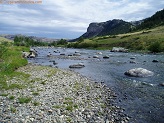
[74, 16]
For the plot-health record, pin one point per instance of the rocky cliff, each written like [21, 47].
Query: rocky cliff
[111, 27]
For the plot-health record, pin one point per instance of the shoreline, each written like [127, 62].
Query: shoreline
[57, 96]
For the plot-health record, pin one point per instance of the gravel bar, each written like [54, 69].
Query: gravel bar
[52, 95]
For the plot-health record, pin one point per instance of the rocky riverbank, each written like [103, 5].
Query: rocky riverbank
[51, 95]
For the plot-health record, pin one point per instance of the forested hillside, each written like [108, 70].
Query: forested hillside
[156, 20]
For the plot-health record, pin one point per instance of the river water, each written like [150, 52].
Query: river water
[142, 98]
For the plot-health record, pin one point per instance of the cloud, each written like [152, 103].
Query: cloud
[70, 19]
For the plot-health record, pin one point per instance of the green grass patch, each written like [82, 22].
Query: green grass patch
[35, 103]
[51, 72]
[4, 94]
[69, 108]
[68, 98]
[57, 106]
[75, 106]
[88, 88]
[35, 93]
[15, 86]
[43, 82]
[77, 86]
[12, 97]
[24, 99]
[13, 109]
[68, 102]
[69, 119]
[17, 76]
[11, 59]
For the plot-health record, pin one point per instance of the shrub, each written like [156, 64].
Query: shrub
[155, 47]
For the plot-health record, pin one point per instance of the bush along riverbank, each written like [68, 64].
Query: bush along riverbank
[49, 94]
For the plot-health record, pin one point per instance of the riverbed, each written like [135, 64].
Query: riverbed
[141, 98]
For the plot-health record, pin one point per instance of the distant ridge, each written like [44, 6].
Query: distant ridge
[40, 39]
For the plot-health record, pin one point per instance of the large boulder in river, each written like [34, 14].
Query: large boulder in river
[95, 56]
[139, 72]
[79, 65]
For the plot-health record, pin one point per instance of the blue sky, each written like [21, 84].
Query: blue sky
[69, 18]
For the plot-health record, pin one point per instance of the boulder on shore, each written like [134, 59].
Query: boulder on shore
[31, 54]
[119, 49]
[139, 72]
[25, 54]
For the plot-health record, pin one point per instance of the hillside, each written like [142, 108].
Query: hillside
[141, 40]
[154, 21]
[2, 39]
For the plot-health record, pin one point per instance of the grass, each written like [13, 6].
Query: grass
[10, 60]
[4, 94]
[137, 41]
[13, 109]
[43, 82]
[57, 106]
[69, 119]
[77, 86]
[11, 97]
[88, 88]
[36, 103]
[2, 39]
[24, 99]
[35, 93]
[69, 108]
[51, 72]
[68, 105]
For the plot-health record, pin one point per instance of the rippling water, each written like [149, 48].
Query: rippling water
[142, 98]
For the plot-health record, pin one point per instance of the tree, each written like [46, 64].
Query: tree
[62, 42]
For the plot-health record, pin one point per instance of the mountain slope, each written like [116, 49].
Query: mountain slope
[154, 21]
[111, 27]
[140, 41]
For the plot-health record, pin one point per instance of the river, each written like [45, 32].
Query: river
[142, 98]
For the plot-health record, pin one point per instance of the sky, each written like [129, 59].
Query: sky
[68, 18]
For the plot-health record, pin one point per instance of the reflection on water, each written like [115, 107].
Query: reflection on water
[142, 98]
